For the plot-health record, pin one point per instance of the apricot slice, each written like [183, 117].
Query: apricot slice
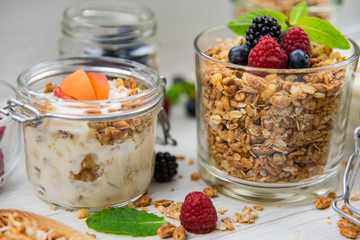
[100, 85]
[78, 86]
[60, 94]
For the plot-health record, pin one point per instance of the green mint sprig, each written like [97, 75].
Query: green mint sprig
[318, 30]
[125, 221]
[179, 89]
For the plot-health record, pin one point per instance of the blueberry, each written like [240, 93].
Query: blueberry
[299, 59]
[190, 107]
[178, 79]
[239, 54]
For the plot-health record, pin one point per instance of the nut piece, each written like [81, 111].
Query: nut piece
[258, 207]
[82, 213]
[247, 216]
[355, 199]
[131, 205]
[210, 192]
[345, 223]
[228, 224]
[166, 230]
[322, 202]
[164, 203]
[332, 195]
[179, 233]
[346, 210]
[143, 201]
[349, 233]
[194, 177]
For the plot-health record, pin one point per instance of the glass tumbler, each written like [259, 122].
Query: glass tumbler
[110, 28]
[270, 135]
[88, 154]
[10, 135]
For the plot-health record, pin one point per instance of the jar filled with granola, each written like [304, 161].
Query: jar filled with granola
[110, 28]
[325, 9]
[271, 134]
[89, 129]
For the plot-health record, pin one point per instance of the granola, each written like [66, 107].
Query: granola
[274, 128]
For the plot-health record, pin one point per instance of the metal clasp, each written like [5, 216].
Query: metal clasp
[29, 114]
[164, 122]
[348, 182]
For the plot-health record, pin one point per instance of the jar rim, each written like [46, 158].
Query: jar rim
[349, 60]
[108, 20]
[150, 97]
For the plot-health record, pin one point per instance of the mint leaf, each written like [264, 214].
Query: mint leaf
[299, 11]
[125, 221]
[178, 89]
[241, 24]
[322, 32]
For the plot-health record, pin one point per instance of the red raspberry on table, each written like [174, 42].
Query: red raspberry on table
[267, 53]
[295, 38]
[198, 214]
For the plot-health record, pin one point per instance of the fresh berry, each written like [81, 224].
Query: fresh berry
[268, 54]
[198, 214]
[299, 59]
[260, 27]
[239, 54]
[165, 167]
[2, 130]
[178, 79]
[295, 38]
[166, 105]
[190, 107]
[1, 163]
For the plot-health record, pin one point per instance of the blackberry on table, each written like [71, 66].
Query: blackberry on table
[260, 27]
[165, 167]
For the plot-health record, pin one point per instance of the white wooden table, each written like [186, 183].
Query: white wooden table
[29, 31]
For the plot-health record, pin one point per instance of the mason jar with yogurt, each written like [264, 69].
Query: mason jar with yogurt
[89, 154]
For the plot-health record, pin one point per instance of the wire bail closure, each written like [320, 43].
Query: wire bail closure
[348, 182]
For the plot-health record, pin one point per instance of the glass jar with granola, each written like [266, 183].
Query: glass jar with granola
[92, 136]
[325, 9]
[271, 127]
[110, 28]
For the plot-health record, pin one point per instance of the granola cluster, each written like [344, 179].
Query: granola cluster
[274, 128]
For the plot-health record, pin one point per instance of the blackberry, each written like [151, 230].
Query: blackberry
[165, 167]
[260, 27]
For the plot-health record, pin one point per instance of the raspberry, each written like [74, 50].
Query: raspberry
[268, 54]
[295, 38]
[260, 27]
[198, 214]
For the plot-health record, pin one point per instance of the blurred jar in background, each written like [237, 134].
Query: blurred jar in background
[325, 9]
[110, 28]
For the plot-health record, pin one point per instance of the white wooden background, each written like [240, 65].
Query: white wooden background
[29, 31]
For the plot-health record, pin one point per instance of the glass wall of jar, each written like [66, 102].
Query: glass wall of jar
[10, 135]
[110, 28]
[274, 135]
[90, 153]
[325, 9]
